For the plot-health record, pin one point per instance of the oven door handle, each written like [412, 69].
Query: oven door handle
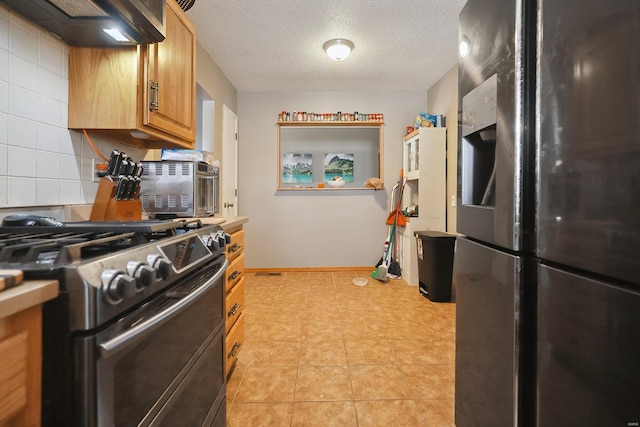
[136, 333]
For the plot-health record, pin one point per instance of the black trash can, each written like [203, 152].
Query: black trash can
[435, 264]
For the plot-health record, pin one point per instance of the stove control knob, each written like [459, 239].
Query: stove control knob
[117, 285]
[160, 264]
[145, 275]
[222, 239]
[212, 242]
[227, 238]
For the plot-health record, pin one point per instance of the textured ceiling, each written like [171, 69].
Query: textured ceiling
[276, 45]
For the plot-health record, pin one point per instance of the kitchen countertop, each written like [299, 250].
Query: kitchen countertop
[25, 295]
[227, 223]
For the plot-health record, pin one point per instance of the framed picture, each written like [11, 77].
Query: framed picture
[338, 164]
[297, 168]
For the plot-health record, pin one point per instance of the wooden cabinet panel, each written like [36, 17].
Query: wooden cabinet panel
[234, 341]
[172, 66]
[110, 95]
[234, 272]
[234, 304]
[20, 370]
[236, 246]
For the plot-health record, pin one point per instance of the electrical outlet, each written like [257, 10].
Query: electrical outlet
[94, 171]
[453, 201]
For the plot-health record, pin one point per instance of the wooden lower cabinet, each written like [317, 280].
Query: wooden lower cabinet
[20, 368]
[235, 339]
[234, 302]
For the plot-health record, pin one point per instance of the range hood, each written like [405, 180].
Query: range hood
[83, 22]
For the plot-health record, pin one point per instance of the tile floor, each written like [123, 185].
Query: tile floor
[321, 351]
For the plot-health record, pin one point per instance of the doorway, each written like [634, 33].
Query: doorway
[229, 205]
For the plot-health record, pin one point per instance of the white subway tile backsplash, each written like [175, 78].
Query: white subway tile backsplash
[23, 132]
[3, 191]
[71, 192]
[4, 128]
[3, 159]
[21, 191]
[23, 102]
[89, 190]
[52, 56]
[50, 84]
[4, 65]
[50, 111]
[48, 164]
[4, 97]
[47, 192]
[21, 162]
[49, 138]
[23, 73]
[23, 41]
[64, 98]
[71, 143]
[4, 30]
[70, 167]
[87, 169]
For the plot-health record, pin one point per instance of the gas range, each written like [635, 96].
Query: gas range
[138, 327]
[106, 268]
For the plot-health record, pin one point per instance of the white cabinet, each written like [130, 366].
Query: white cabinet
[425, 164]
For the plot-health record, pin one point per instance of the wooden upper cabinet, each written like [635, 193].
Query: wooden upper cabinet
[147, 90]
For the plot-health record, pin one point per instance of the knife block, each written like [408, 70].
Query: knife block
[107, 208]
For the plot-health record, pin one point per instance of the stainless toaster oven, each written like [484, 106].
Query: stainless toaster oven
[177, 188]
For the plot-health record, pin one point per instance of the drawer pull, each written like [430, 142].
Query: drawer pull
[235, 274]
[234, 349]
[234, 309]
[235, 247]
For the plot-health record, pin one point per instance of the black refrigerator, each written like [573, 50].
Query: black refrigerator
[547, 268]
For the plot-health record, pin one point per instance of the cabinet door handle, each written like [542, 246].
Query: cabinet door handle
[234, 349]
[235, 247]
[234, 309]
[153, 95]
[235, 274]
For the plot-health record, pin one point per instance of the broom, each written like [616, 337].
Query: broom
[380, 273]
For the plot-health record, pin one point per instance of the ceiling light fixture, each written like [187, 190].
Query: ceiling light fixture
[338, 49]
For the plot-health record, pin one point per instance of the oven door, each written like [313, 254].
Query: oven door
[161, 364]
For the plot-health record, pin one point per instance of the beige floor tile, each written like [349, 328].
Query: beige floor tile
[406, 329]
[368, 352]
[267, 384]
[324, 330]
[273, 353]
[259, 414]
[373, 382]
[324, 414]
[430, 382]
[437, 413]
[322, 383]
[435, 352]
[385, 413]
[233, 381]
[317, 314]
[359, 329]
[345, 274]
[283, 330]
[322, 353]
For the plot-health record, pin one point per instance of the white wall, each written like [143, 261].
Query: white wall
[297, 229]
[442, 98]
[42, 163]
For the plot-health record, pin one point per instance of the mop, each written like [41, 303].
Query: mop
[380, 273]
